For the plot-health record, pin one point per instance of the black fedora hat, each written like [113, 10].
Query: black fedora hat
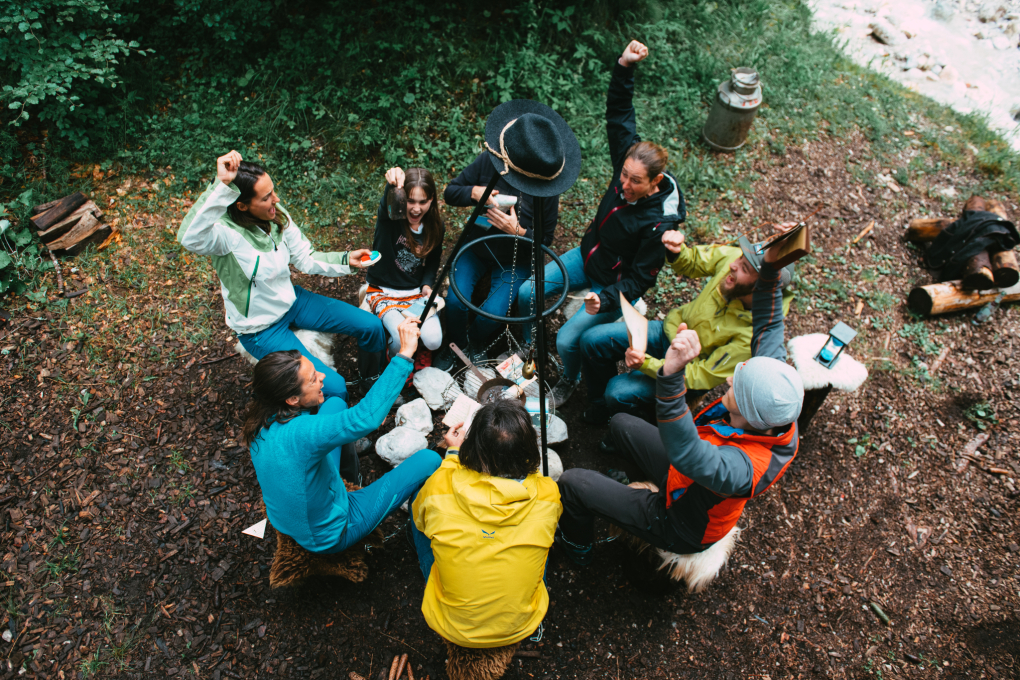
[532, 147]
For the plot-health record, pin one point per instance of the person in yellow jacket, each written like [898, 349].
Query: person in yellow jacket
[483, 526]
[721, 315]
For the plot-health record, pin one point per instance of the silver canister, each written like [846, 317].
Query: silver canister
[733, 110]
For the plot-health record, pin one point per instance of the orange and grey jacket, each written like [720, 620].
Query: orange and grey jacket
[716, 468]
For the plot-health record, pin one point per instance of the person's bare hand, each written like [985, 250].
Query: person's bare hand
[477, 191]
[426, 290]
[409, 332]
[682, 350]
[673, 240]
[633, 358]
[355, 258]
[592, 303]
[634, 53]
[504, 222]
[454, 437]
[227, 166]
[395, 176]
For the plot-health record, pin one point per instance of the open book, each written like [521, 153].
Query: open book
[637, 326]
[462, 411]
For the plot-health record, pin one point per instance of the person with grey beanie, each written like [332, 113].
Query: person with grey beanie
[704, 468]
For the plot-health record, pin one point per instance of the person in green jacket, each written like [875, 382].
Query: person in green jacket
[239, 221]
[302, 447]
[721, 315]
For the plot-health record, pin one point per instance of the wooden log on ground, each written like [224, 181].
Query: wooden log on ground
[996, 206]
[97, 237]
[1005, 269]
[977, 274]
[62, 208]
[974, 203]
[926, 228]
[942, 298]
[43, 207]
[64, 226]
[81, 229]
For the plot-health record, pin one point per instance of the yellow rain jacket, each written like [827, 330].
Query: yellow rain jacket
[723, 326]
[491, 538]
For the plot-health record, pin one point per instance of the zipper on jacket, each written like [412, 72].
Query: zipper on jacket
[251, 284]
[599, 231]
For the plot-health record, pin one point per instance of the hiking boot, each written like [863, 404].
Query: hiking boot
[369, 368]
[562, 391]
[596, 414]
[444, 360]
[608, 445]
[579, 555]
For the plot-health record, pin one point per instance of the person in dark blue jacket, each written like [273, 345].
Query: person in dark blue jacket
[622, 250]
[507, 262]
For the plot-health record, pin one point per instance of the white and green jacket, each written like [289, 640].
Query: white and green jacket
[254, 267]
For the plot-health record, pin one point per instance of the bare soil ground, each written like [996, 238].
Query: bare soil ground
[122, 511]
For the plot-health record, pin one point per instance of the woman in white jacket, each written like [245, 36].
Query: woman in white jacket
[240, 222]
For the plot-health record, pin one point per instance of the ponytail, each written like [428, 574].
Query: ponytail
[650, 155]
[275, 381]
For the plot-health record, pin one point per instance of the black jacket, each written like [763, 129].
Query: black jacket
[622, 248]
[399, 268]
[458, 193]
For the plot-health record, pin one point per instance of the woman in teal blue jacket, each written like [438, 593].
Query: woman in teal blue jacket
[302, 449]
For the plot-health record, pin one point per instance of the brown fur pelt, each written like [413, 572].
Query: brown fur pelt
[292, 563]
[467, 663]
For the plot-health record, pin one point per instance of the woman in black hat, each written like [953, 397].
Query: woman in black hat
[622, 250]
[507, 263]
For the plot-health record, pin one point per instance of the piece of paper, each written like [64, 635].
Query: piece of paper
[512, 368]
[257, 530]
[637, 325]
[462, 411]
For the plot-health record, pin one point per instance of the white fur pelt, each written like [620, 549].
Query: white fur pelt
[318, 343]
[846, 376]
[698, 570]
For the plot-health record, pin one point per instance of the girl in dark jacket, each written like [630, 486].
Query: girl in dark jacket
[622, 250]
[410, 251]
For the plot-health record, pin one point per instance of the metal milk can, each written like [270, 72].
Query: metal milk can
[733, 110]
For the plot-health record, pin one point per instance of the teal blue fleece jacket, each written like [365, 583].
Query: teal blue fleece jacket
[298, 462]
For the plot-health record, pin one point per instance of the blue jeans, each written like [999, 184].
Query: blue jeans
[632, 392]
[318, 313]
[368, 507]
[505, 283]
[568, 340]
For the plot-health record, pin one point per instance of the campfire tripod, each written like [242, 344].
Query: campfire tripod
[538, 318]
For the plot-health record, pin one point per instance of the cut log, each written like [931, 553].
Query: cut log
[68, 223]
[1005, 269]
[977, 274]
[101, 233]
[942, 298]
[926, 228]
[43, 207]
[81, 229]
[62, 208]
[996, 206]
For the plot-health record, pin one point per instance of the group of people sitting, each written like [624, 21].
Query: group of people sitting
[483, 517]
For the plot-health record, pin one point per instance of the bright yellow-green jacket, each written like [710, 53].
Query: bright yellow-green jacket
[723, 326]
[491, 538]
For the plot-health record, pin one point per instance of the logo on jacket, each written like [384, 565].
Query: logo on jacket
[488, 534]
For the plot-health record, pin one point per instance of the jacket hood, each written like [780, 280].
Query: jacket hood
[494, 500]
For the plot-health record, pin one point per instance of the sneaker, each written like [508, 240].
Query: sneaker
[562, 391]
[579, 555]
[444, 360]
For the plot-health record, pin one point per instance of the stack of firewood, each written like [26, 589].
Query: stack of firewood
[68, 225]
[985, 278]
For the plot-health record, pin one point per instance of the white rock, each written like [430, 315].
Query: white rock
[399, 444]
[239, 348]
[555, 465]
[1003, 43]
[575, 300]
[555, 433]
[944, 10]
[949, 74]
[437, 387]
[641, 307]
[886, 33]
[415, 415]
[8, 636]
[945, 192]
[991, 10]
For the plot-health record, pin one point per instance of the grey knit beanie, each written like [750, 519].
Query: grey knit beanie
[768, 392]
